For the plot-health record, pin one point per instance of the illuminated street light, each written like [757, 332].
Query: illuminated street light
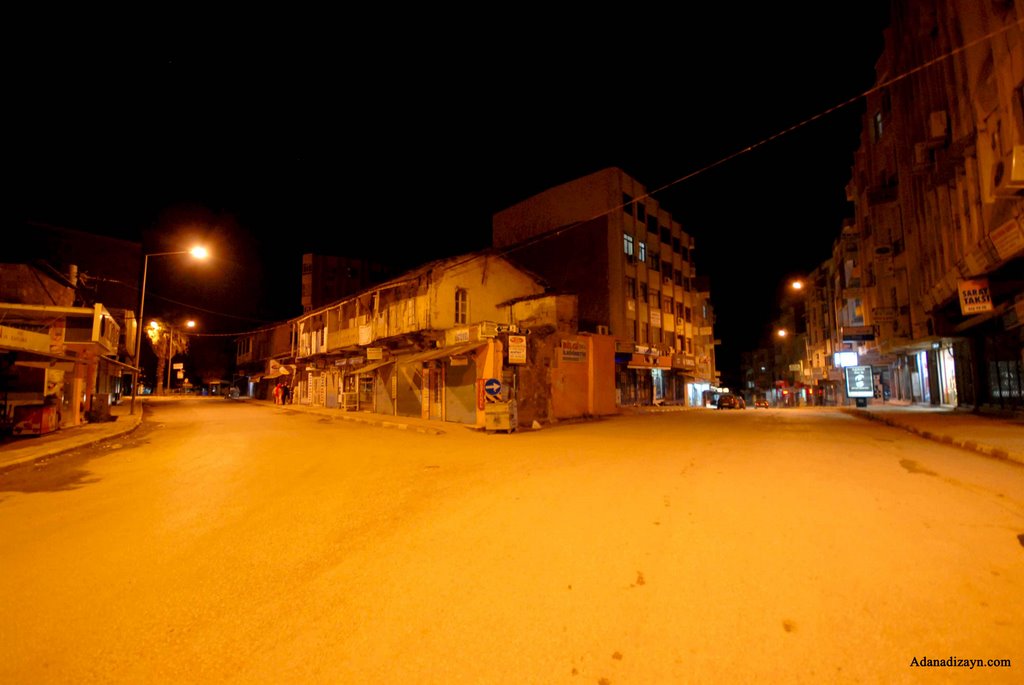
[170, 351]
[199, 253]
[797, 284]
[782, 333]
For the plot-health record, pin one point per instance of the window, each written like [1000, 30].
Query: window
[667, 304]
[643, 332]
[689, 346]
[655, 298]
[461, 306]
[878, 125]
[641, 212]
[652, 225]
[630, 287]
[678, 277]
[643, 251]
[677, 247]
[688, 315]
[666, 268]
[627, 204]
[643, 292]
[627, 246]
[654, 263]
[666, 235]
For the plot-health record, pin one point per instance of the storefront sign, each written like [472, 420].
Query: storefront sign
[858, 333]
[975, 296]
[517, 349]
[461, 335]
[1008, 239]
[24, 340]
[574, 351]
[374, 353]
[859, 381]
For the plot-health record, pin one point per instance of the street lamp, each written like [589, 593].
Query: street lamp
[197, 252]
[170, 351]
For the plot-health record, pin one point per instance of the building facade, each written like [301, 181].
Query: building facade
[604, 238]
[58, 362]
[327, 279]
[938, 188]
[448, 341]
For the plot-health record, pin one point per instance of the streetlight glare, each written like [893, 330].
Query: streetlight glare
[797, 285]
[154, 325]
[781, 333]
[199, 252]
[190, 323]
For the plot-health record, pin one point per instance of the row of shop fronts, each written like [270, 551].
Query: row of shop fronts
[408, 347]
[557, 377]
[984, 372]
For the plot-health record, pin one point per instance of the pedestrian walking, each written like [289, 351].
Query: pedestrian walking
[278, 393]
[286, 394]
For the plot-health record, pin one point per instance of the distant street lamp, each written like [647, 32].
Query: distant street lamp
[170, 351]
[198, 253]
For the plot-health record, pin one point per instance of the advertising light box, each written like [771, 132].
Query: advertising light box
[859, 381]
[841, 360]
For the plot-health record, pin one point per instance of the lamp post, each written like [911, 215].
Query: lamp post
[198, 253]
[170, 351]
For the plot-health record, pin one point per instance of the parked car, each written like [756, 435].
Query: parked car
[730, 401]
[761, 402]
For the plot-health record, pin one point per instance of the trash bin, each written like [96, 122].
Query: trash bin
[99, 407]
[500, 416]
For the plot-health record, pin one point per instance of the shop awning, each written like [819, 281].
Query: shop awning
[373, 366]
[35, 355]
[441, 352]
[644, 361]
[108, 360]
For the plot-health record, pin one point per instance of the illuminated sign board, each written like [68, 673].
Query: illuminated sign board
[859, 381]
[843, 359]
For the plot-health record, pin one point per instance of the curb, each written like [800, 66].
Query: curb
[340, 416]
[970, 445]
[58, 449]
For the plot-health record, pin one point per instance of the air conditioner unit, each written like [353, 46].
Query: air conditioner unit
[603, 330]
[488, 329]
[1008, 174]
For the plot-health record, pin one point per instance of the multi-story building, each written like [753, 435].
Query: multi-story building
[604, 238]
[445, 341]
[56, 359]
[938, 187]
[327, 279]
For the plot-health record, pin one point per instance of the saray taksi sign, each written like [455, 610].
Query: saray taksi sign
[975, 296]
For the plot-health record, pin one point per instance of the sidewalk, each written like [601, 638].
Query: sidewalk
[996, 437]
[14, 451]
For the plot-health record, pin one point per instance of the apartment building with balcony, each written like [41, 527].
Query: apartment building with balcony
[606, 239]
[54, 355]
[938, 189]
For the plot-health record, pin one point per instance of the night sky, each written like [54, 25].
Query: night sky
[397, 139]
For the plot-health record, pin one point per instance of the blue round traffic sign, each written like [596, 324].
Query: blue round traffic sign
[492, 386]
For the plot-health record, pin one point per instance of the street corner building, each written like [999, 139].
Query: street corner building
[457, 340]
